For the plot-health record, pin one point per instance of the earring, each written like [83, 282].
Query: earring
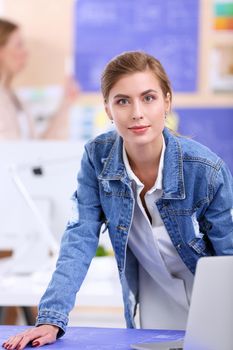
[165, 115]
[112, 121]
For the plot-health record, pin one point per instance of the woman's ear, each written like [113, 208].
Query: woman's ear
[168, 102]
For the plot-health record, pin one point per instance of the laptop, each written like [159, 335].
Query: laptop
[210, 319]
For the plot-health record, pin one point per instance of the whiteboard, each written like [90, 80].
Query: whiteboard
[167, 29]
[211, 126]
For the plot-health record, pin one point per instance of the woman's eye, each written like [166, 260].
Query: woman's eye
[122, 101]
[149, 98]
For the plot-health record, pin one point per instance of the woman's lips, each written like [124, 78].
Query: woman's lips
[139, 129]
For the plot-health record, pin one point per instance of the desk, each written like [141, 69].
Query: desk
[99, 338]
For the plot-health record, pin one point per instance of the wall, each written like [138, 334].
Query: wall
[47, 26]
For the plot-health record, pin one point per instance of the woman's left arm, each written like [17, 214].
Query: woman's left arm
[219, 214]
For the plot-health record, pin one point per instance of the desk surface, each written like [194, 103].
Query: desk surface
[84, 338]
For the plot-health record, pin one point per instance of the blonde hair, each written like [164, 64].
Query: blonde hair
[6, 29]
[131, 62]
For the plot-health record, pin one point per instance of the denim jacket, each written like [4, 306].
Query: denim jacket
[196, 208]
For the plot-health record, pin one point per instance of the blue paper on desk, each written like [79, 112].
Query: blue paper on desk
[86, 338]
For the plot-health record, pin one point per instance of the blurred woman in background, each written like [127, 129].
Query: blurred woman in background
[15, 122]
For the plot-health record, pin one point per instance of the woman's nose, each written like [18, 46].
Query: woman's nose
[137, 117]
[137, 111]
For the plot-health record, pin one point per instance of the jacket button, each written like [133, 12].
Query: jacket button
[178, 246]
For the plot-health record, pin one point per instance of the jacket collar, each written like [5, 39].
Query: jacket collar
[173, 180]
[173, 177]
[114, 168]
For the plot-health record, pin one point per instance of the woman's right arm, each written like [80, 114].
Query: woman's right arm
[78, 246]
[59, 123]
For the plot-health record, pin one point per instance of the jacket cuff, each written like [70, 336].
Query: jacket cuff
[53, 318]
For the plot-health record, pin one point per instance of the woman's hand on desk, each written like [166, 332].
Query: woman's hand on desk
[37, 336]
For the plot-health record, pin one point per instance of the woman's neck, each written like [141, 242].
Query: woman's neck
[144, 160]
[141, 156]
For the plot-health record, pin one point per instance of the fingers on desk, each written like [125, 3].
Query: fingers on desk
[38, 336]
[12, 342]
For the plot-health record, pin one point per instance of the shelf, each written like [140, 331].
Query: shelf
[222, 38]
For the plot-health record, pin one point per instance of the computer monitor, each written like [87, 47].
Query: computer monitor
[37, 181]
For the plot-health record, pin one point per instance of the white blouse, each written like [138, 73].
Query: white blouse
[165, 283]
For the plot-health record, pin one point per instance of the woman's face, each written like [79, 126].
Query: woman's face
[13, 55]
[137, 106]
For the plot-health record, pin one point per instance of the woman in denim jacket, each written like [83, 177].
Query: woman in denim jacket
[166, 201]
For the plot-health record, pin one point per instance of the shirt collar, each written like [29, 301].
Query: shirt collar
[159, 181]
